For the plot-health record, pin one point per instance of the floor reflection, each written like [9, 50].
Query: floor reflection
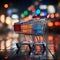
[8, 47]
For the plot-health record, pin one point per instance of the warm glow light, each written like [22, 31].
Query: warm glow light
[30, 17]
[50, 38]
[2, 18]
[50, 24]
[5, 5]
[52, 15]
[57, 23]
[27, 18]
[56, 15]
[8, 20]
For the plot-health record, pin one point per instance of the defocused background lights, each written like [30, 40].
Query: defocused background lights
[57, 23]
[43, 13]
[36, 3]
[43, 7]
[22, 15]
[5, 5]
[48, 15]
[57, 15]
[8, 20]
[51, 9]
[37, 11]
[26, 13]
[33, 10]
[15, 16]
[9, 12]
[52, 15]
[30, 7]
[50, 24]
[50, 37]
[2, 18]
[34, 19]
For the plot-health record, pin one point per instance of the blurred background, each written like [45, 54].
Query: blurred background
[30, 14]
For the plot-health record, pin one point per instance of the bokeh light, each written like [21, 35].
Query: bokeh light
[50, 38]
[51, 9]
[57, 23]
[5, 5]
[52, 16]
[2, 18]
[56, 14]
[25, 12]
[8, 20]
[36, 3]
[43, 7]
[22, 15]
[50, 24]
[37, 11]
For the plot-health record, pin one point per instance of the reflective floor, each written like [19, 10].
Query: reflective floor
[8, 48]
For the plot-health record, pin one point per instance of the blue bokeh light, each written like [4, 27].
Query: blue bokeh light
[37, 12]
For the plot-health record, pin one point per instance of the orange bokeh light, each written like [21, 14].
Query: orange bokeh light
[57, 23]
[5, 5]
[50, 38]
[56, 15]
[50, 24]
[52, 15]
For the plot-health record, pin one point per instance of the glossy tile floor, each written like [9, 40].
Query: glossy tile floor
[8, 49]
